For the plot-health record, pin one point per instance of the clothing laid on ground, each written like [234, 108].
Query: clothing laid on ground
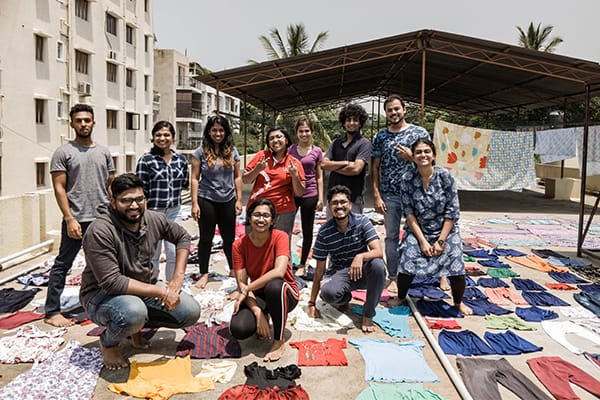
[556, 373]
[482, 376]
[537, 263]
[510, 343]
[557, 330]
[393, 321]
[69, 374]
[274, 182]
[442, 323]
[543, 299]
[381, 361]
[19, 318]
[263, 378]
[505, 322]
[559, 286]
[465, 343]
[214, 341]
[30, 344]
[221, 371]
[438, 309]
[159, 380]
[535, 314]
[501, 273]
[245, 392]
[484, 307]
[397, 391]
[591, 301]
[526, 284]
[12, 300]
[492, 283]
[313, 352]
[431, 207]
[359, 148]
[498, 296]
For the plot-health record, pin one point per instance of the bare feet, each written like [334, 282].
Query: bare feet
[444, 284]
[112, 357]
[395, 302]
[276, 351]
[300, 271]
[367, 325]
[202, 282]
[466, 310]
[392, 286]
[59, 321]
[138, 342]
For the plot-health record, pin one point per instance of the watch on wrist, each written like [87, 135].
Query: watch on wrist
[441, 242]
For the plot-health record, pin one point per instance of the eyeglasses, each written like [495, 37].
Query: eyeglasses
[129, 201]
[274, 137]
[258, 215]
[339, 203]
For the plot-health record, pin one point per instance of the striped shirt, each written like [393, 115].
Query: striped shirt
[342, 247]
[163, 182]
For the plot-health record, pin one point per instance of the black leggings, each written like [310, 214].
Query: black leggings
[457, 285]
[277, 299]
[212, 213]
[307, 215]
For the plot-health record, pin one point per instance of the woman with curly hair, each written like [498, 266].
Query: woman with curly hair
[217, 197]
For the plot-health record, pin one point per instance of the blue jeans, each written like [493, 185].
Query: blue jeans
[337, 287]
[124, 315]
[69, 248]
[391, 221]
[172, 214]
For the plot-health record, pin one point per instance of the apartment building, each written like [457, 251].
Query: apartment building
[54, 54]
[186, 101]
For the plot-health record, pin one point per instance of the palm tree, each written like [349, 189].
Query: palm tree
[538, 38]
[296, 43]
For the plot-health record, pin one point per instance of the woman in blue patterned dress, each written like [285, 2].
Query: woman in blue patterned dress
[431, 246]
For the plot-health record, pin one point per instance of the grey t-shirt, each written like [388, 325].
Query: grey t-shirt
[217, 182]
[87, 171]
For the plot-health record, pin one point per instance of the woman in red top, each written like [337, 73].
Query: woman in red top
[277, 176]
[266, 284]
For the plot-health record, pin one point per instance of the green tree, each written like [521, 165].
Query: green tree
[296, 43]
[538, 38]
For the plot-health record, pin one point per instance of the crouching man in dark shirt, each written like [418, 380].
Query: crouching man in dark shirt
[119, 287]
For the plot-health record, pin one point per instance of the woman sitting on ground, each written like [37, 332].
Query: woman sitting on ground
[266, 284]
[431, 246]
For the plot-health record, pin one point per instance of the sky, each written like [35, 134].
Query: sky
[223, 34]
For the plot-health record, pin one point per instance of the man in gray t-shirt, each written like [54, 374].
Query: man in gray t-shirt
[81, 173]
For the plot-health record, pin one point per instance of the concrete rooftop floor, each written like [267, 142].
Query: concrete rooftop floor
[347, 382]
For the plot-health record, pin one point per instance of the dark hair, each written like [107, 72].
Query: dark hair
[261, 202]
[282, 130]
[301, 121]
[393, 97]
[226, 147]
[337, 189]
[157, 127]
[81, 108]
[426, 142]
[353, 110]
[125, 182]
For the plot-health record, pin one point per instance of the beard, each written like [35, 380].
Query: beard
[130, 219]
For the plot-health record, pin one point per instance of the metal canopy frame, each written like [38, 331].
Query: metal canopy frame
[448, 71]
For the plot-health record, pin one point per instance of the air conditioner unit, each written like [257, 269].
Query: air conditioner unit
[113, 55]
[84, 88]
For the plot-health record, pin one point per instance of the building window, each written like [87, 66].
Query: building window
[180, 75]
[111, 72]
[81, 62]
[146, 43]
[116, 162]
[40, 108]
[133, 121]
[146, 83]
[129, 34]
[60, 109]
[60, 50]
[41, 174]
[146, 5]
[39, 47]
[146, 119]
[111, 24]
[130, 163]
[111, 119]
[129, 77]
[81, 9]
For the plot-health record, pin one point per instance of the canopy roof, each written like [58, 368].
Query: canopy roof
[430, 67]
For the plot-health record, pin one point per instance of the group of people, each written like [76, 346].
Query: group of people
[121, 221]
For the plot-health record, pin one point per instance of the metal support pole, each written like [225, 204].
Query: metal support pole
[47, 243]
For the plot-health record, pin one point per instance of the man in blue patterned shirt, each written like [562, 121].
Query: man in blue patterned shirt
[355, 258]
[391, 158]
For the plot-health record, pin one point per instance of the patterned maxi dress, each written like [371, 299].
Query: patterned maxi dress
[431, 207]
